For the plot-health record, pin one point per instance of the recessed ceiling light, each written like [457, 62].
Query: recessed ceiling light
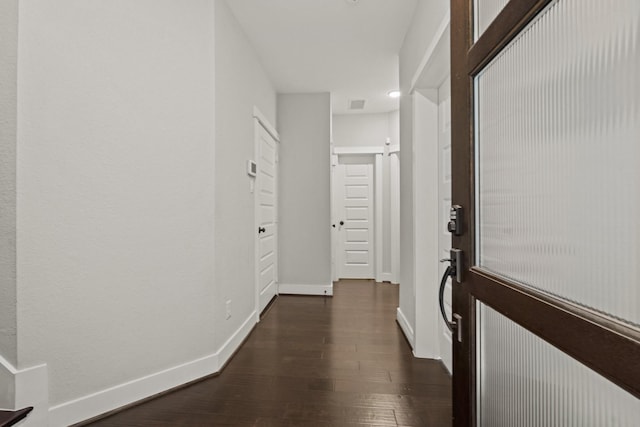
[394, 94]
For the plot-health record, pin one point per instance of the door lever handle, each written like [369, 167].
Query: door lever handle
[450, 271]
[261, 230]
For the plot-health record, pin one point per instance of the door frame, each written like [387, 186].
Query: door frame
[261, 122]
[394, 200]
[377, 152]
[609, 348]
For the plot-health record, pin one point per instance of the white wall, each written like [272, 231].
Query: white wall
[8, 111]
[427, 18]
[394, 127]
[424, 25]
[358, 130]
[115, 173]
[304, 205]
[241, 84]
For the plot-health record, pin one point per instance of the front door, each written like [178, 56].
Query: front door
[354, 217]
[546, 166]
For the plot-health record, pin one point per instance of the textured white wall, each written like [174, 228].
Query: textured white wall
[115, 189]
[305, 217]
[8, 110]
[241, 84]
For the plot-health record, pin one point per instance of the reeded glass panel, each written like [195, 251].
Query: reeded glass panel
[558, 155]
[525, 382]
[485, 11]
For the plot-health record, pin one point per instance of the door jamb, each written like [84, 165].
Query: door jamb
[378, 152]
[260, 121]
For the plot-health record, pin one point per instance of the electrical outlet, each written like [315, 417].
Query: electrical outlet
[228, 309]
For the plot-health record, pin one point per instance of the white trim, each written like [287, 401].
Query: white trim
[262, 123]
[115, 397]
[439, 42]
[25, 387]
[394, 199]
[407, 330]
[395, 148]
[425, 225]
[8, 388]
[386, 277]
[32, 389]
[357, 150]
[332, 201]
[94, 404]
[257, 114]
[234, 342]
[256, 216]
[378, 216]
[300, 289]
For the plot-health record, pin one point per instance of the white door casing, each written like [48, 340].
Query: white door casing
[354, 179]
[334, 230]
[444, 202]
[394, 200]
[266, 200]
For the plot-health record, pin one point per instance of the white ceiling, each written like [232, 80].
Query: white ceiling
[338, 46]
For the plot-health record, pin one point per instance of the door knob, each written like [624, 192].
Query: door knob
[261, 230]
[341, 222]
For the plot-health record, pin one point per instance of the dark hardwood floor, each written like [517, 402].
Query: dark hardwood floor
[314, 361]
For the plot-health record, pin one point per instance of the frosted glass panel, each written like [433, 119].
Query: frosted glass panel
[485, 12]
[558, 155]
[526, 382]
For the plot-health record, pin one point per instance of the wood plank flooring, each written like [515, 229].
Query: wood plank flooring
[314, 361]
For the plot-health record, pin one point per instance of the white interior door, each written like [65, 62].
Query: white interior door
[354, 217]
[444, 201]
[266, 188]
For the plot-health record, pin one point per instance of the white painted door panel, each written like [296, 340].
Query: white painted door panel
[267, 217]
[355, 210]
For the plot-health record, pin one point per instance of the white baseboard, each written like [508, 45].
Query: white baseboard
[20, 388]
[297, 289]
[386, 277]
[112, 398]
[32, 389]
[7, 385]
[406, 327]
[227, 349]
[123, 394]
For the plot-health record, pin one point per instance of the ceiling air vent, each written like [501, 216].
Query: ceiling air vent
[356, 104]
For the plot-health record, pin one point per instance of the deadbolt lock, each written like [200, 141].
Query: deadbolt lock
[455, 220]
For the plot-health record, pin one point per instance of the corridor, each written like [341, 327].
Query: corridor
[314, 361]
